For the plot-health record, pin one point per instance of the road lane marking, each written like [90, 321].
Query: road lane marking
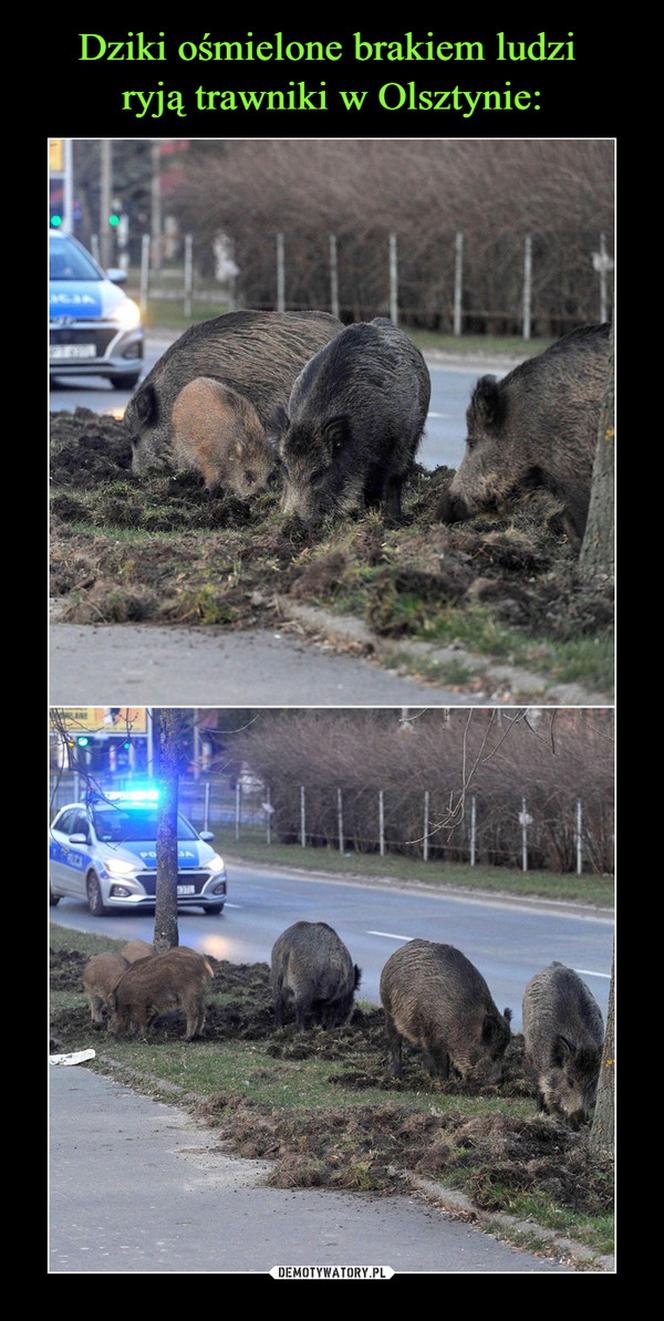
[389, 935]
[587, 972]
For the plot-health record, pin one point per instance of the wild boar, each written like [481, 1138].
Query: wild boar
[257, 354]
[535, 427]
[355, 418]
[136, 949]
[313, 970]
[100, 975]
[177, 979]
[564, 1035]
[218, 432]
[435, 998]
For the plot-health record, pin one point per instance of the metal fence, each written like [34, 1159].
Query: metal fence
[372, 821]
[454, 300]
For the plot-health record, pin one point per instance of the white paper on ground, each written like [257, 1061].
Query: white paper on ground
[78, 1057]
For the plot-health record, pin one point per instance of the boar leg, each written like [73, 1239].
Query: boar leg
[193, 1008]
[392, 498]
[394, 1043]
[279, 1005]
[303, 1007]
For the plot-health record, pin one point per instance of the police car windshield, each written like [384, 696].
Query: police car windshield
[70, 263]
[119, 825]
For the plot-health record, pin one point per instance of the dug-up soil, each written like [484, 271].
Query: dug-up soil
[367, 1147]
[161, 548]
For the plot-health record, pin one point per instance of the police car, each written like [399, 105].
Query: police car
[104, 851]
[95, 329]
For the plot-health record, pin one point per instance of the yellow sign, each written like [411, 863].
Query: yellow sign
[56, 155]
[120, 720]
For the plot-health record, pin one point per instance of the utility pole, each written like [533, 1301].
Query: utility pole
[106, 191]
[155, 207]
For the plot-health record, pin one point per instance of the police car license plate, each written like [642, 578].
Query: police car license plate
[59, 352]
[186, 889]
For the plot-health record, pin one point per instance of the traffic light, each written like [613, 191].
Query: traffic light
[56, 221]
[82, 741]
[114, 219]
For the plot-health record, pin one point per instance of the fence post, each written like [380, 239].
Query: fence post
[281, 275]
[145, 272]
[303, 818]
[473, 829]
[238, 796]
[458, 281]
[524, 836]
[268, 824]
[579, 842]
[340, 820]
[334, 277]
[394, 278]
[188, 273]
[425, 841]
[206, 810]
[527, 284]
[381, 822]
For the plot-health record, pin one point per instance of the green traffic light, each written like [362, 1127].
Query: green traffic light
[82, 742]
[56, 222]
[114, 219]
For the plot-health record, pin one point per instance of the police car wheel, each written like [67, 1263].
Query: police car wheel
[95, 902]
[213, 908]
[53, 899]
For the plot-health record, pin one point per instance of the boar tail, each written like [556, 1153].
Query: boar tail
[358, 976]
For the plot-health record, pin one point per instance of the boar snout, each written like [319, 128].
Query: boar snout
[452, 508]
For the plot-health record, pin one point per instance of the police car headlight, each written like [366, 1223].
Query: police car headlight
[127, 314]
[119, 868]
[215, 864]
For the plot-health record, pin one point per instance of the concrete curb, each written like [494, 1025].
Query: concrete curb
[460, 1206]
[565, 906]
[346, 630]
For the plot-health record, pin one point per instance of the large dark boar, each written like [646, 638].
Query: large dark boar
[435, 998]
[100, 975]
[313, 970]
[355, 418]
[536, 427]
[564, 1034]
[257, 354]
[177, 979]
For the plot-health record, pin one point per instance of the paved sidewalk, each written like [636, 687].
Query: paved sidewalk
[136, 1185]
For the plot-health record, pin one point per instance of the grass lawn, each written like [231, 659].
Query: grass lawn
[251, 845]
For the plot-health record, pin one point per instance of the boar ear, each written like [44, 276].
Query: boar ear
[561, 1051]
[507, 1015]
[335, 431]
[279, 421]
[486, 403]
[489, 1028]
[145, 403]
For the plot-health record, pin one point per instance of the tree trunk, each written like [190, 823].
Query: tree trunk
[602, 1132]
[596, 562]
[166, 906]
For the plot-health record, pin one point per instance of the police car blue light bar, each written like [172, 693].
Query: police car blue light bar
[132, 795]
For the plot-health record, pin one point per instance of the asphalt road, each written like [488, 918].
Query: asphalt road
[508, 942]
[445, 431]
[139, 1186]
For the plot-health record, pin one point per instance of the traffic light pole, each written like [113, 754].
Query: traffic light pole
[68, 188]
[106, 167]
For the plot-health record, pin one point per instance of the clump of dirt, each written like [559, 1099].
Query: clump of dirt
[66, 969]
